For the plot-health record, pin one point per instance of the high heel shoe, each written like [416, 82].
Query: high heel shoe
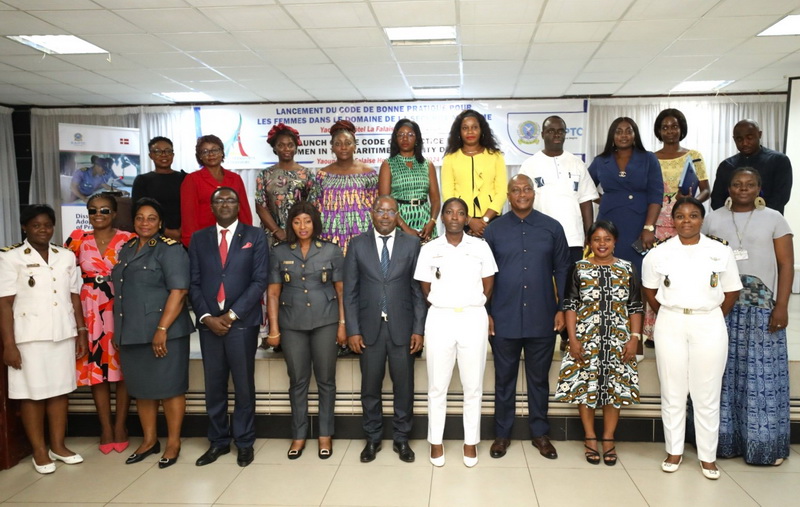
[437, 462]
[135, 458]
[106, 448]
[120, 446]
[44, 469]
[470, 462]
[69, 460]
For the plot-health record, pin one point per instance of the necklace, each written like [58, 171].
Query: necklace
[740, 235]
[470, 153]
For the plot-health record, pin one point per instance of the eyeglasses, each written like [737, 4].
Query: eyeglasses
[158, 152]
[220, 202]
[406, 135]
[555, 131]
[212, 151]
[102, 211]
[385, 213]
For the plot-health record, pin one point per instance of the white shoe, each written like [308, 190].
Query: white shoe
[437, 462]
[44, 469]
[710, 474]
[470, 462]
[671, 467]
[69, 460]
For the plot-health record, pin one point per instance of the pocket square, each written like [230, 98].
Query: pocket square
[247, 245]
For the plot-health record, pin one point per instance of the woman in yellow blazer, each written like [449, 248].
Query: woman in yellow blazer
[474, 170]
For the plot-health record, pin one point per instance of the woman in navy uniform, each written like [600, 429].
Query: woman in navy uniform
[306, 317]
[40, 316]
[152, 328]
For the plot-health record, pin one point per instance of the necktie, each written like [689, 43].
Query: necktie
[384, 269]
[223, 255]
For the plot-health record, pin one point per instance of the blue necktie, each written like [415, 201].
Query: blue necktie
[384, 269]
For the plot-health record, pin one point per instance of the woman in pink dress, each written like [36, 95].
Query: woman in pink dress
[96, 253]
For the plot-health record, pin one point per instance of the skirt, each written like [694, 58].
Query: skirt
[152, 378]
[48, 370]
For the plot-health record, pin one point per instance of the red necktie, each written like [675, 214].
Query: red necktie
[223, 255]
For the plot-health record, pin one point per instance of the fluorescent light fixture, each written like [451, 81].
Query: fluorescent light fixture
[404, 35]
[185, 96]
[790, 25]
[700, 86]
[58, 44]
[437, 91]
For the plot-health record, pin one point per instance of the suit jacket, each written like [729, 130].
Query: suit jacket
[244, 273]
[364, 285]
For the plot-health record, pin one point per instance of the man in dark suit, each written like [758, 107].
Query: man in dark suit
[229, 263]
[385, 318]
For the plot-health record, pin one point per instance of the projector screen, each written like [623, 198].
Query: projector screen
[792, 144]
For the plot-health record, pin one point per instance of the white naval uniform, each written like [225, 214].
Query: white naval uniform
[691, 335]
[44, 319]
[457, 327]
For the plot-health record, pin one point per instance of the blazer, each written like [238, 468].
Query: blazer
[364, 285]
[308, 298]
[142, 281]
[244, 273]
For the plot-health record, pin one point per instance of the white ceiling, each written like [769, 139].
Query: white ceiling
[325, 50]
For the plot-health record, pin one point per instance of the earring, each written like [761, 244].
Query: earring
[760, 203]
[728, 203]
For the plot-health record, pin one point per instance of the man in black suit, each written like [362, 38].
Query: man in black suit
[229, 263]
[385, 318]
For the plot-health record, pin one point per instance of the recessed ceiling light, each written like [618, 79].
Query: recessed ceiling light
[185, 96]
[58, 44]
[790, 25]
[700, 86]
[437, 91]
[403, 35]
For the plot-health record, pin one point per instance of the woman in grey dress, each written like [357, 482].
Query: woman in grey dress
[152, 326]
[306, 317]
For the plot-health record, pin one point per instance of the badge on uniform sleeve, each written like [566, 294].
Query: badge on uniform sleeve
[714, 279]
[31, 281]
[152, 242]
[667, 283]
[287, 277]
[324, 275]
[438, 274]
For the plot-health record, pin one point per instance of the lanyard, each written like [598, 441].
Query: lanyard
[740, 235]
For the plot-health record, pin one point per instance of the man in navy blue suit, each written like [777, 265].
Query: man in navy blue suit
[229, 263]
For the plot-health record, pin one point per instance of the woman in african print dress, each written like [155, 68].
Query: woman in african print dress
[347, 189]
[96, 253]
[604, 321]
[411, 180]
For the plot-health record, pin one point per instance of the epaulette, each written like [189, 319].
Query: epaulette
[168, 241]
[132, 241]
[717, 238]
[8, 248]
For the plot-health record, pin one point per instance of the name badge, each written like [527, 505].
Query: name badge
[740, 254]
[288, 262]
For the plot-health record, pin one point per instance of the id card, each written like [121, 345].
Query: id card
[740, 254]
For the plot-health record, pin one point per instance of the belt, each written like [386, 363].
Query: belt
[413, 202]
[687, 311]
[98, 279]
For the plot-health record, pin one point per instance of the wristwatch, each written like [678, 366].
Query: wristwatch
[232, 315]
[651, 228]
[485, 219]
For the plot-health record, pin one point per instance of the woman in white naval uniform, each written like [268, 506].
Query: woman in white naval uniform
[456, 273]
[40, 318]
[691, 281]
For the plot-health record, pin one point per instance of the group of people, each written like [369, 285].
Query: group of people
[349, 257]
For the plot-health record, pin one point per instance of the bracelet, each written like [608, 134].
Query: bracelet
[433, 220]
[341, 322]
[274, 231]
[273, 335]
[83, 328]
[637, 335]
[161, 328]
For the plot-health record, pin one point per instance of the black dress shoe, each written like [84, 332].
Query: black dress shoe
[546, 449]
[404, 451]
[499, 447]
[369, 452]
[245, 456]
[211, 455]
[135, 458]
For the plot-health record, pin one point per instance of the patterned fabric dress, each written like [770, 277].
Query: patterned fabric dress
[603, 297]
[97, 300]
[411, 183]
[345, 201]
[671, 171]
[754, 407]
[277, 190]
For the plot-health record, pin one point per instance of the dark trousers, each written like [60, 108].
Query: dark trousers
[401, 371]
[538, 358]
[575, 254]
[232, 355]
[303, 350]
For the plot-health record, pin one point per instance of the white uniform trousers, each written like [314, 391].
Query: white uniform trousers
[456, 335]
[691, 356]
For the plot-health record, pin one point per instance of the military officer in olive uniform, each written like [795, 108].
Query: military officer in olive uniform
[306, 317]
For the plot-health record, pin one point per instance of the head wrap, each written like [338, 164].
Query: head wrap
[343, 125]
[281, 129]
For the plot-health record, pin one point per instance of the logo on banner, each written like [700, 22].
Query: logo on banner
[77, 139]
[124, 140]
[529, 132]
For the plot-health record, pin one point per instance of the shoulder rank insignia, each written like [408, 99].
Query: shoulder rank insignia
[132, 241]
[293, 246]
[168, 241]
[15, 245]
[318, 243]
[717, 238]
